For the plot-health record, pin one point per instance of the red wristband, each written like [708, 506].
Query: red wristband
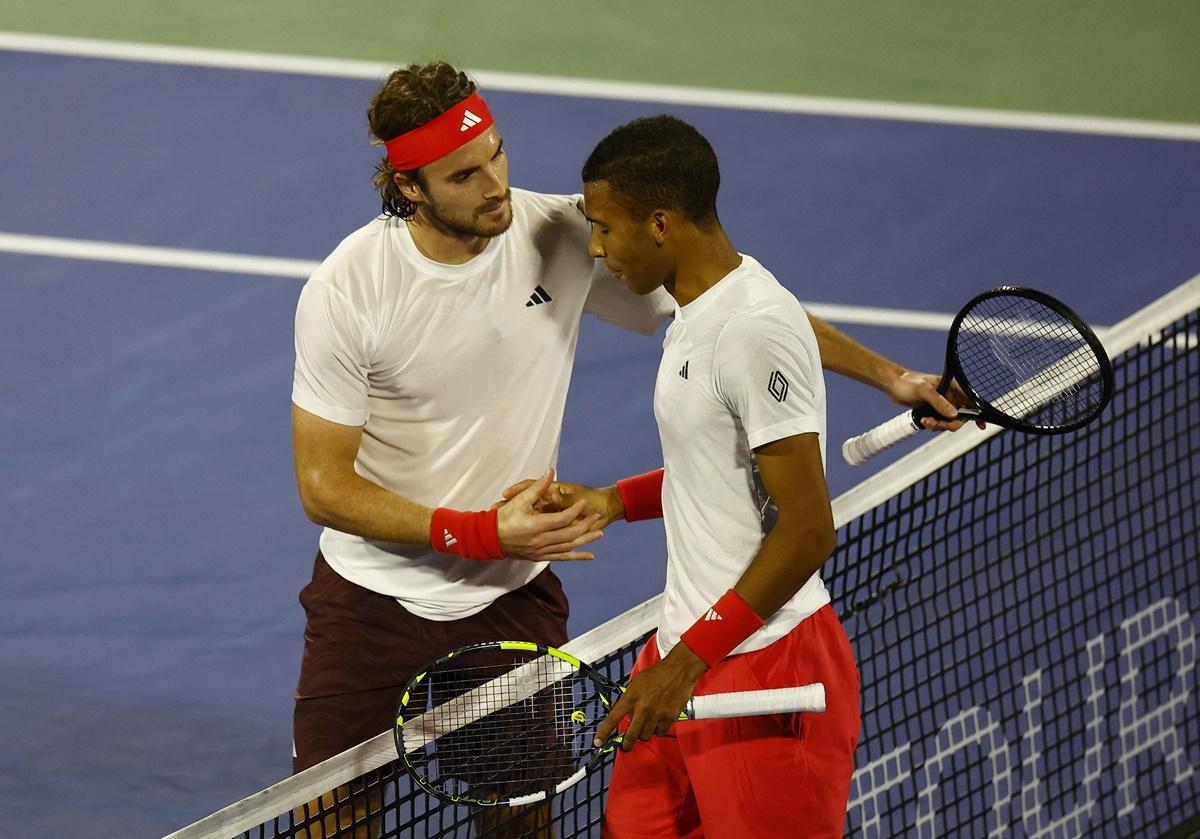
[718, 632]
[642, 495]
[470, 535]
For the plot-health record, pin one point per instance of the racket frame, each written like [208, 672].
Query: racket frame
[857, 450]
[952, 370]
[804, 698]
[606, 691]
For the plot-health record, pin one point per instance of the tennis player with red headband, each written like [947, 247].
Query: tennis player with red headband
[434, 349]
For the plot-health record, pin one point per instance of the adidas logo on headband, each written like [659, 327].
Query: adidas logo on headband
[450, 130]
[469, 121]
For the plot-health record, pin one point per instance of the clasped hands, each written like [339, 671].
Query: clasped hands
[547, 520]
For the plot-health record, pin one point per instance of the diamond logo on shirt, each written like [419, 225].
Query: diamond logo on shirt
[683, 370]
[538, 297]
[778, 386]
[448, 538]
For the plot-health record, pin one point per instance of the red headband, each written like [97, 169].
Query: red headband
[463, 122]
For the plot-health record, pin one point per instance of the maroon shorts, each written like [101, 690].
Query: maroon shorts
[361, 648]
[782, 776]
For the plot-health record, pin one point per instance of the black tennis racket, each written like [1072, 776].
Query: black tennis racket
[1028, 363]
[513, 722]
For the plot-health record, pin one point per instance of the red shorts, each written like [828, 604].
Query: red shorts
[767, 776]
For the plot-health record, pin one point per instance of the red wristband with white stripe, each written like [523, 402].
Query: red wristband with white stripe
[642, 495]
[469, 535]
[722, 628]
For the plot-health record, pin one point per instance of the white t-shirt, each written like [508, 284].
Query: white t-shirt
[740, 369]
[459, 375]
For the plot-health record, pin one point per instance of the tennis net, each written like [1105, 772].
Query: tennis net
[1024, 611]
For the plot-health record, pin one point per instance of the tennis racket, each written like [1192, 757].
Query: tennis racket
[1028, 363]
[512, 722]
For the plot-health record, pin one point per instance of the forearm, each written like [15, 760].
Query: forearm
[842, 354]
[790, 554]
[352, 504]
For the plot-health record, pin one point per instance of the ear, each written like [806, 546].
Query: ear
[660, 223]
[409, 188]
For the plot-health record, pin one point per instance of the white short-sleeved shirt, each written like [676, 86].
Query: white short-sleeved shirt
[459, 375]
[740, 369]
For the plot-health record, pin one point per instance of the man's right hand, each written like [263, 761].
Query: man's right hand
[604, 502]
[532, 526]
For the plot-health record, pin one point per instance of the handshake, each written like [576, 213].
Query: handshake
[547, 520]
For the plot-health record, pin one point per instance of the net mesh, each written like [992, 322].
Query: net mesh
[1025, 620]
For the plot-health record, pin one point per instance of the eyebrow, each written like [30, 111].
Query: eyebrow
[470, 169]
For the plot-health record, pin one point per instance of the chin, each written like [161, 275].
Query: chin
[642, 287]
[491, 229]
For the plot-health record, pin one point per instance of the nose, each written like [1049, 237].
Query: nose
[595, 249]
[495, 185]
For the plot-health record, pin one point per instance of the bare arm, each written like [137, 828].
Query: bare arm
[803, 536]
[842, 354]
[335, 495]
[802, 539]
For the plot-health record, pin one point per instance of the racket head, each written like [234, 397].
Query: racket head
[502, 723]
[1028, 362]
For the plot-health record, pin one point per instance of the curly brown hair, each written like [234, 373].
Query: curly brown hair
[410, 97]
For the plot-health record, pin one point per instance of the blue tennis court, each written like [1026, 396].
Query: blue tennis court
[155, 544]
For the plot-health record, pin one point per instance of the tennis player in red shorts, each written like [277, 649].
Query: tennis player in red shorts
[740, 405]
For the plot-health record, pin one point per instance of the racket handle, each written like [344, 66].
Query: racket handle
[749, 703]
[858, 450]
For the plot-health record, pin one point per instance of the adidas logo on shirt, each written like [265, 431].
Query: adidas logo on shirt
[448, 538]
[713, 615]
[683, 370]
[469, 121]
[538, 297]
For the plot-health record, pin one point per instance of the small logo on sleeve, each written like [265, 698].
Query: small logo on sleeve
[778, 386]
[538, 297]
[683, 370]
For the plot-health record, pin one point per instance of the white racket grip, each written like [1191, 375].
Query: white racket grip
[858, 450]
[749, 703]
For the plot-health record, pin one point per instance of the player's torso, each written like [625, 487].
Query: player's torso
[711, 502]
[716, 511]
[506, 323]
[467, 381]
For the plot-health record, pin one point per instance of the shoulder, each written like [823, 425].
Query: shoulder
[353, 276]
[762, 307]
[360, 248]
[543, 210]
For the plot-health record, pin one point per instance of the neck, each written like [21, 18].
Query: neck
[440, 243]
[706, 257]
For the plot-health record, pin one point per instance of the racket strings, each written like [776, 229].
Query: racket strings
[505, 729]
[1030, 362]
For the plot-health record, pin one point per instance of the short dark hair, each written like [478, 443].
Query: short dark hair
[411, 97]
[658, 162]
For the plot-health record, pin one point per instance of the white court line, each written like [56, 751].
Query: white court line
[605, 89]
[300, 269]
[226, 263]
